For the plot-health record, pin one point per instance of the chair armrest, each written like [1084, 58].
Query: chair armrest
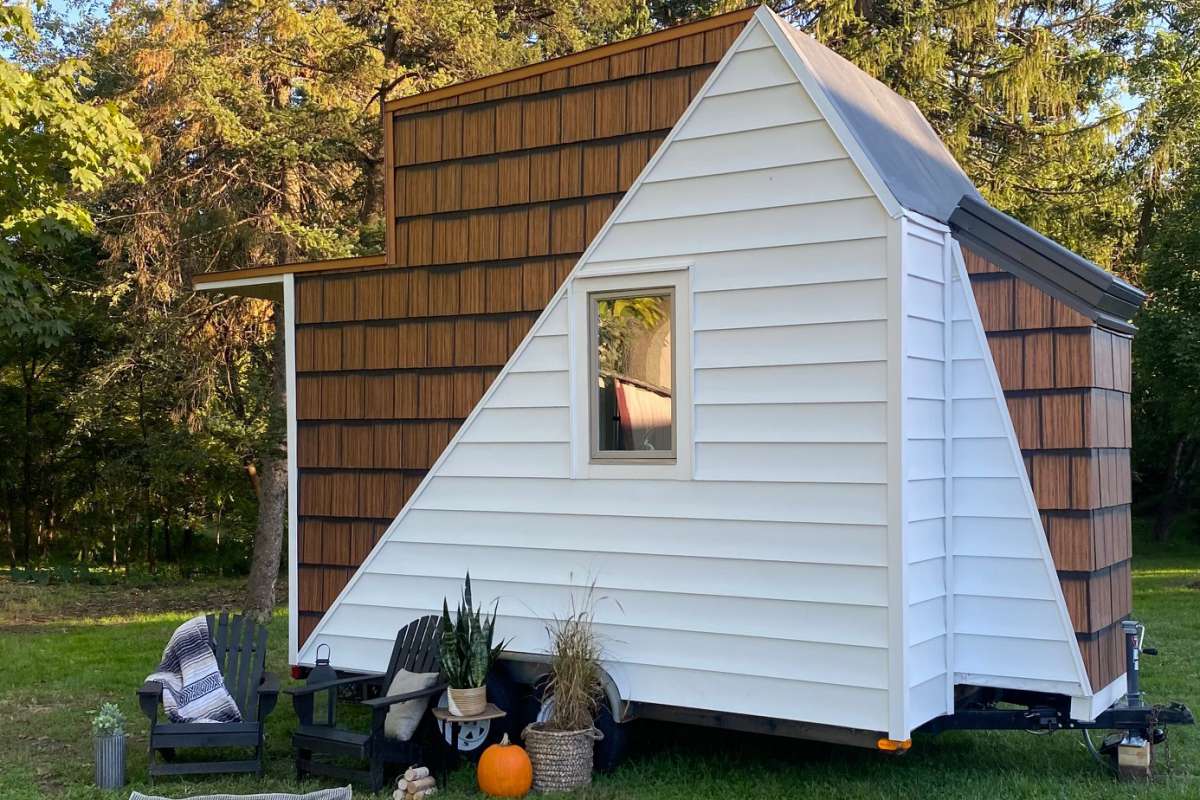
[270, 684]
[300, 691]
[386, 702]
[268, 694]
[149, 695]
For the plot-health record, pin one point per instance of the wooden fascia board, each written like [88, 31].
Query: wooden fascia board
[206, 281]
[574, 59]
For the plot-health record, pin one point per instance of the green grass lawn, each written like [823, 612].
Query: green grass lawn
[65, 650]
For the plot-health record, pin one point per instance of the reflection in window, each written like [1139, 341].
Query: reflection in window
[634, 410]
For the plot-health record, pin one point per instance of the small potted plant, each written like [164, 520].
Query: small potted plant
[108, 732]
[468, 654]
[561, 746]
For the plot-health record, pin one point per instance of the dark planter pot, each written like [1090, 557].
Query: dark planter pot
[110, 761]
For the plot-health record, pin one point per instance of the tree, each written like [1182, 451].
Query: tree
[1167, 354]
[55, 147]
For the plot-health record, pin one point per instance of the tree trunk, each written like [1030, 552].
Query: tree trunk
[272, 495]
[273, 472]
[27, 464]
[1174, 496]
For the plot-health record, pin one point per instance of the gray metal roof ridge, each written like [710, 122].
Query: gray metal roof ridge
[1067, 276]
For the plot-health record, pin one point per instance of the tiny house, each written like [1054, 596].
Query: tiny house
[712, 321]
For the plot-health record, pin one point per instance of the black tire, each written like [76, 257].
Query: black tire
[611, 749]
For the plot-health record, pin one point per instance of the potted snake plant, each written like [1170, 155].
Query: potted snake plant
[468, 654]
[108, 733]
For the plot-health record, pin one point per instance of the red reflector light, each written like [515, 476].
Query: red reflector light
[297, 673]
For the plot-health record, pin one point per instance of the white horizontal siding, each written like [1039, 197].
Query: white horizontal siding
[851, 625]
[825, 343]
[841, 302]
[1011, 627]
[924, 466]
[543, 354]
[508, 460]
[520, 425]
[780, 146]
[753, 69]
[853, 504]
[853, 545]
[741, 230]
[778, 580]
[809, 383]
[759, 583]
[792, 422]
[765, 107]
[1017, 659]
[825, 462]
[795, 185]
[790, 265]
[672, 648]
[531, 390]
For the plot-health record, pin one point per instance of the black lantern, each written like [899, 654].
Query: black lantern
[325, 702]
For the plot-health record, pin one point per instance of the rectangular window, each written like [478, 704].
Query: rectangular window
[632, 374]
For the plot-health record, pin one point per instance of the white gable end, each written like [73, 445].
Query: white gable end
[769, 570]
[757, 583]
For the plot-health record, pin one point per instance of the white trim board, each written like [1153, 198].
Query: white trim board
[293, 488]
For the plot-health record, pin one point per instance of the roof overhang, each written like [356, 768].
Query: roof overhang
[571, 60]
[1092, 291]
[267, 282]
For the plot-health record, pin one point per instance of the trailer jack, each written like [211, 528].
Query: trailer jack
[1140, 727]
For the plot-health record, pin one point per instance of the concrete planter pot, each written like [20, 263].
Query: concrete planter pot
[110, 761]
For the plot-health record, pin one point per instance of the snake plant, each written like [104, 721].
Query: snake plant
[466, 648]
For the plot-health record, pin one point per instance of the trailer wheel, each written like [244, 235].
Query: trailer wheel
[610, 749]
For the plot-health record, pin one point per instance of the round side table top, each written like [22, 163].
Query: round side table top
[490, 711]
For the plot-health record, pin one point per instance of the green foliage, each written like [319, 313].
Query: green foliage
[467, 650]
[54, 147]
[108, 721]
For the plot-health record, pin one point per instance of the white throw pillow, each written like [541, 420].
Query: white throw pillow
[402, 718]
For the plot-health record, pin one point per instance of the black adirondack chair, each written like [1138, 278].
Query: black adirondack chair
[416, 650]
[240, 646]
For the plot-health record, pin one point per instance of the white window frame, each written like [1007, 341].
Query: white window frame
[677, 280]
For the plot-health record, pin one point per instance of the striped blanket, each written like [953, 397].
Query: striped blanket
[193, 690]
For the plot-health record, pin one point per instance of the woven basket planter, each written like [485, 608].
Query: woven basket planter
[562, 760]
[110, 761]
[467, 702]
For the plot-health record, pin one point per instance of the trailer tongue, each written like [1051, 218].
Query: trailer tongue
[1140, 726]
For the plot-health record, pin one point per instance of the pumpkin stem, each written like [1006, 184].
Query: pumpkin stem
[504, 740]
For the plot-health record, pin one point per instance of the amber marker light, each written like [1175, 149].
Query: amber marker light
[894, 745]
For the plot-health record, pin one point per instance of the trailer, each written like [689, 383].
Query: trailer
[711, 324]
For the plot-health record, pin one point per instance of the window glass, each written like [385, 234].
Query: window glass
[633, 367]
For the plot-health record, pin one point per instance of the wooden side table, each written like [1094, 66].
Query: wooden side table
[443, 715]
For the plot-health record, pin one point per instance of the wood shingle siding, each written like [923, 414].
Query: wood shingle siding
[1067, 383]
[495, 192]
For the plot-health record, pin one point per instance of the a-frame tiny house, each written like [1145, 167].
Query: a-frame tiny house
[838, 526]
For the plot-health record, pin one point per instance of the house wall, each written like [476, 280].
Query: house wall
[495, 194]
[760, 583]
[1067, 383]
[1011, 627]
[927, 484]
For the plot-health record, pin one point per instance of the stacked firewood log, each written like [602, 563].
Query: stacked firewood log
[415, 784]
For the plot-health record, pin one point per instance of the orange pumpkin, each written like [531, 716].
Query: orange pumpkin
[504, 770]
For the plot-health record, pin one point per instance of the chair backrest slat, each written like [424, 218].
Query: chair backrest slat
[243, 659]
[240, 647]
[417, 647]
[218, 630]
